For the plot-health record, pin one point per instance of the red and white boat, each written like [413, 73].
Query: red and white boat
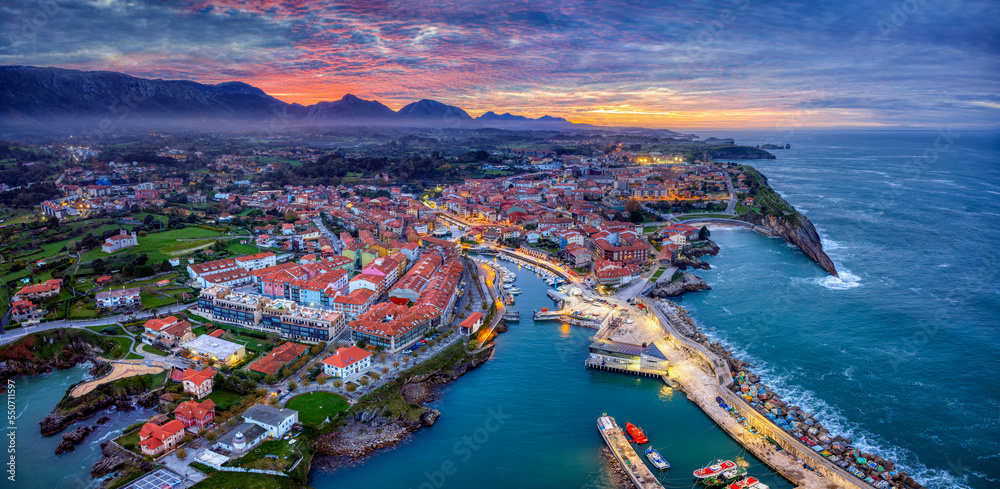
[637, 435]
[714, 469]
[748, 483]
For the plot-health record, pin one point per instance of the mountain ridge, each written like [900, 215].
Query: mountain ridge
[34, 97]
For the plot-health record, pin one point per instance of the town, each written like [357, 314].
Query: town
[263, 311]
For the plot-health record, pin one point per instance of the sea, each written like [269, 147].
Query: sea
[898, 353]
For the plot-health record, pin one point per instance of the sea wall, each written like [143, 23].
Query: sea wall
[719, 368]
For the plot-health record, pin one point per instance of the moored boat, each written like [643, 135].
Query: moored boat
[657, 459]
[636, 433]
[748, 483]
[733, 474]
[714, 469]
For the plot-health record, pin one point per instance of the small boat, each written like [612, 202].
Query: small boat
[515, 291]
[657, 459]
[714, 469]
[748, 483]
[726, 477]
[636, 433]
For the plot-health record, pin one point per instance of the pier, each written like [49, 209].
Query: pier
[636, 469]
[512, 316]
[641, 372]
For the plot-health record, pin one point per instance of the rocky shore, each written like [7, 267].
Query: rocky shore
[118, 459]
[686, 282]
[19, 358]
[375, 428]
[801, 234]
[57, 421]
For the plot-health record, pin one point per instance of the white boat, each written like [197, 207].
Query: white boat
[514, 291]
[657, 459]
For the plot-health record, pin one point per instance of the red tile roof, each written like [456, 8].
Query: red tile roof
[347, 356]
[279, 357]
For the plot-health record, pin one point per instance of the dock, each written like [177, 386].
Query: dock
[624, 369]
[512, 316]
[636, 469]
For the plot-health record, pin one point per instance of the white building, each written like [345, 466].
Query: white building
[119, 241]
[348, 362]
[275, 421]
[256, 262]
[110, 299]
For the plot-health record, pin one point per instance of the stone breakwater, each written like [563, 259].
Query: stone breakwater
[870, 468]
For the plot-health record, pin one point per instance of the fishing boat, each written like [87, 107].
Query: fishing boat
[657, 459]
[636, 433]
[733, 474]
[714, 469]
[748, 483]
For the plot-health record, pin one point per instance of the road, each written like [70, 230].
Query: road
[338, 245]
[731, 209]
[15, 334]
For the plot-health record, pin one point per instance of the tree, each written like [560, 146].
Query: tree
[291, 216]
[704, 233]
[635, 217]
[338, 383]
[293, 385]
[632, 205]
[211, 435]
[53, 222]
[181, 453]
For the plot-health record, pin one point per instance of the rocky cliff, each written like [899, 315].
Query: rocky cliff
[799, 231]
[687, 282]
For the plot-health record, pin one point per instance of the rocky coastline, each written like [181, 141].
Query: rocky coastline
[57, 421]
[373, 429]
[19, 358]
[869, 467]
[686, 282]
[802, 234]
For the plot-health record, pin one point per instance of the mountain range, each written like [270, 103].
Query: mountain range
[43, 97]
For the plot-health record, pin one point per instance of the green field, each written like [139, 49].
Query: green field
[690, 217]
[154, 351]
[287, 455]
[315, 407]
[244, 480]
[223, 399]
[82, 309]
[242, 249]
[152, 244]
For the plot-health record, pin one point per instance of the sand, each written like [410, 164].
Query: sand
[118, 371]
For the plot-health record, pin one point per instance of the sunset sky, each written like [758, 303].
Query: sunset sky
[701, 64]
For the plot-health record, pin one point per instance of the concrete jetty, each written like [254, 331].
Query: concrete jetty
[637, 471]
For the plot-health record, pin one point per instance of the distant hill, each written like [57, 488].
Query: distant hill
[40, 98]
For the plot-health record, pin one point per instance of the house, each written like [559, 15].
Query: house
[275, 421]
[198, 383]
[50, 288]
[196, 414]
[23, 310]
[156, 439]
[256, 262]
[614, 274]
[167, 332]
[111, 299]
[347, 362]
[242, 438]
[271, 363]
[216, 350]
[471, 324]
[196, 271]
[119, 241]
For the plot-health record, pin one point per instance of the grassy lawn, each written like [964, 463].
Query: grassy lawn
[649, 229]
[314, 407]
[98, 328]
[82, 310]
[180, 247]
[150, 299]
[130, 441]
[223, 399]
[702, 216]
[287, 455]
[133, 356]
[658, 273]
[244, 480]
[154, 351]
[242, 249]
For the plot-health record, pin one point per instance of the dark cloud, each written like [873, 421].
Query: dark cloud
[727, 62]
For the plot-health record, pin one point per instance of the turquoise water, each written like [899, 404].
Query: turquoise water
[901, 353]
[549, 402]
[37, 464]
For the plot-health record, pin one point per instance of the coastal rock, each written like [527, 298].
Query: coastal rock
[501, 327]
[56, 421]
[708, 247]
[799, 231]
[116, 458]
[687, 282]
[429, 417]
[103, 420]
